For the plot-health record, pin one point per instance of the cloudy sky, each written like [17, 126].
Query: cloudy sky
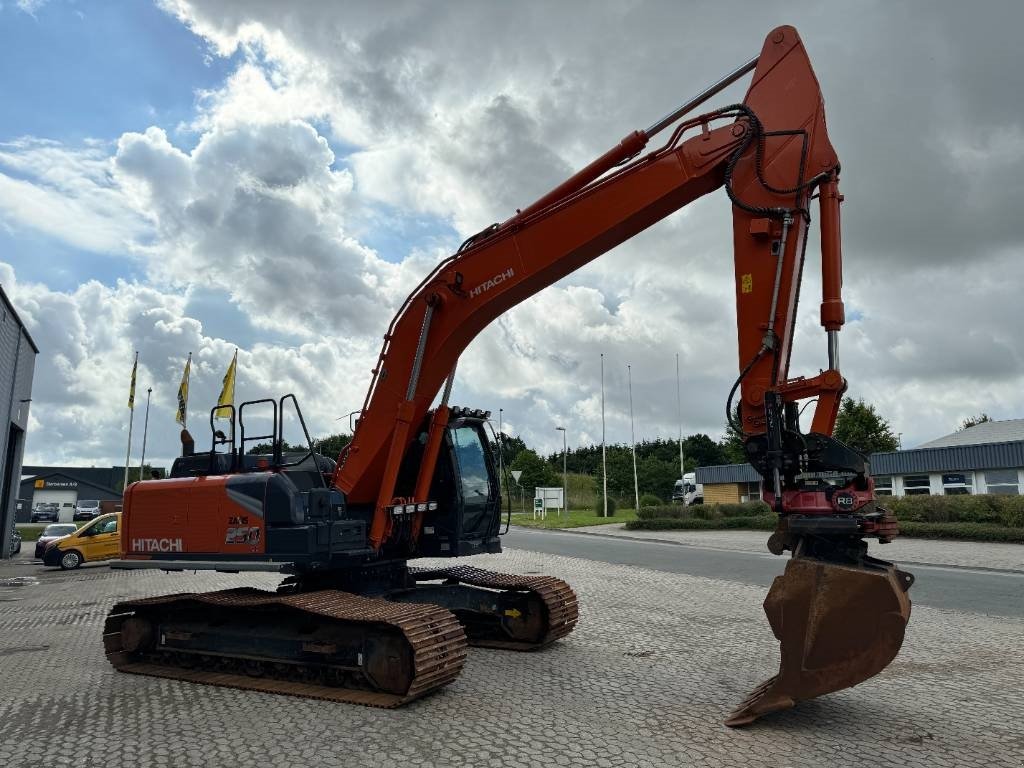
[276, 177]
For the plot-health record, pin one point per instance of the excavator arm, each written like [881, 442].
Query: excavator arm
[772, 155]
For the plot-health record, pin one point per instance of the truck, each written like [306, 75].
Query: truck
[687, 490]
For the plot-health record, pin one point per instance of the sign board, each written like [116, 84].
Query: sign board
[552, 497]
[51, 483]
[516, 474]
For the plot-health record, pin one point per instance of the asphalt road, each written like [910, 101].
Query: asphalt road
[990, 592]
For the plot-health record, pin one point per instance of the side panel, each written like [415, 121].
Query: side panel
[189, 515]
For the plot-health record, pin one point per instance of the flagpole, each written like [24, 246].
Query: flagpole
[131, 422]
[188, 375]
[145, 431]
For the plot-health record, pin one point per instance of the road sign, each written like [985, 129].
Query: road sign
[516, 474]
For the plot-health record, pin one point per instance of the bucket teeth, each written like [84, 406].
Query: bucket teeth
[837, 625]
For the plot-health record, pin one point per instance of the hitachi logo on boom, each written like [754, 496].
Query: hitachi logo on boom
[499, 278]
[156, 545]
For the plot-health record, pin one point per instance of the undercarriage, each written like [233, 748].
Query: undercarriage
[382, 650]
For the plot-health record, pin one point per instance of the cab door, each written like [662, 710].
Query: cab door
[107, 539]
[84, 541]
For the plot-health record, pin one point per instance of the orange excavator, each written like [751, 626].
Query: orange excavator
[353, 621]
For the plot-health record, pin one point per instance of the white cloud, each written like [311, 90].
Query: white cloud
[341, 117]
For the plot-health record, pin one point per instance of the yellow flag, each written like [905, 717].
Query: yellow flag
[131, 391]
[182, 413]
[227, 392]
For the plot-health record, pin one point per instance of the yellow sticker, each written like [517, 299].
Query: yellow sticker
[747, 283]
[513, 613]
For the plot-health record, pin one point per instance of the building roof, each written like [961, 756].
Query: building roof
[953, 458]
[96, 477]
[727, 473]
[1005, 431]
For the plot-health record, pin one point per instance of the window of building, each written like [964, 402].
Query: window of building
[916, 485]
[750, 491]
[957, 483]
[1002, 481]
[883, 486]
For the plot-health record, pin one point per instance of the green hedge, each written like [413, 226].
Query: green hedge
[962, 531]
[759, 523]
[970, 518]
[1006, 511]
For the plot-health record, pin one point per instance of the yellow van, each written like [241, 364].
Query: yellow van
[99, 540]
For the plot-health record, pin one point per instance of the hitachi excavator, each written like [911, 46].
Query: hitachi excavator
[353, 621]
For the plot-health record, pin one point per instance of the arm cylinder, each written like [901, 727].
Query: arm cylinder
[833, 315]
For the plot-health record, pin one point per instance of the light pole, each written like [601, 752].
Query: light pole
[632, 438]
[679, 408]
[565, 474]
[604, 455]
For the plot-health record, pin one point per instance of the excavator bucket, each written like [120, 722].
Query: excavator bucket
[837, 625]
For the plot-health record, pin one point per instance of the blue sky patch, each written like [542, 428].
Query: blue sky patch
[89, 69]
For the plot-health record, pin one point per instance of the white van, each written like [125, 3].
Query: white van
[688, 490]
[86, 509]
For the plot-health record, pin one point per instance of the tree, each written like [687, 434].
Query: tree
[974, 421]
[732, 441]
[861, 427]
[536, 472]
[329, 446]
[511, 445]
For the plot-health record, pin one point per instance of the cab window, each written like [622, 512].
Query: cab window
[107, 526]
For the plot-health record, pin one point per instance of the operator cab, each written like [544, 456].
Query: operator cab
[465, 492]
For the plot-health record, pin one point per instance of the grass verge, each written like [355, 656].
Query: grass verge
[576, 518]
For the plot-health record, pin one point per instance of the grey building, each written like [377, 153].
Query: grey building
[985, 458]
[66, 486]
[17, 364]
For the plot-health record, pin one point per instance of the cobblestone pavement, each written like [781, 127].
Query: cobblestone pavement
[965, 554]
[656, 663]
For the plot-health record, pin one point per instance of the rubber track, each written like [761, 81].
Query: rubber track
[557, 596]
[434, 633]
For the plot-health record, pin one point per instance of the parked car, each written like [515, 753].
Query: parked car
[52, 533]
[15, 541]
[45, 512]
[99, 540]
[86, 509]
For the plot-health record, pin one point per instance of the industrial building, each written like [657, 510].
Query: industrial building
[17, 365]
[985, 458]
[65, 486]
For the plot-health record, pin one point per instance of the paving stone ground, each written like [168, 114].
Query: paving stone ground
[962, 554]
[656, 663]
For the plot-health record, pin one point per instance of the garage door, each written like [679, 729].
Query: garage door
[66, 499]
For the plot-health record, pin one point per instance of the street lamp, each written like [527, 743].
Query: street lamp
[632, 437]
[565, 474]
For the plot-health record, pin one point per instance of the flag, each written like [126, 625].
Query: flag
[182, 413]
[131, 391]
[227, 392]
